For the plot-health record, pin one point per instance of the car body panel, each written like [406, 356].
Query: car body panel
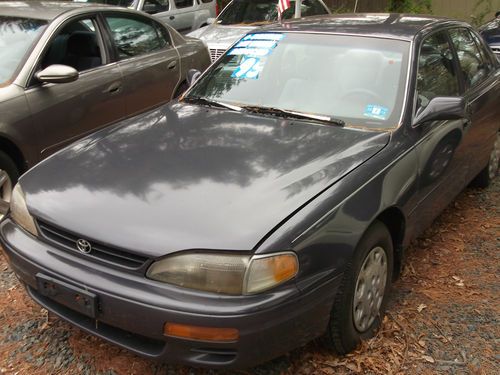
[258, 169]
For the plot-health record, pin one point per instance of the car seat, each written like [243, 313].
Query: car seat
[82, 51]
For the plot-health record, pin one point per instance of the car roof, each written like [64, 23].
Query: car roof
[389, 25]
[41, 10]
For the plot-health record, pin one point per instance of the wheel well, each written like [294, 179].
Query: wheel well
[14, 153]
[394, 220]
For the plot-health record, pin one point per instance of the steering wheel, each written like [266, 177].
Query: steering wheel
[363, 93]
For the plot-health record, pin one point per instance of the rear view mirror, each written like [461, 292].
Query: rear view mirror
[441, 108]
[57, 74]
[192, 76]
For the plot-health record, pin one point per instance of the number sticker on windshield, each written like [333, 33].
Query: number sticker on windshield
[249, 68]
[258, 45]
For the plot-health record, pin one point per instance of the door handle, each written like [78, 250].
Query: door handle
[114, 88]
[172, 17]
[172, 65]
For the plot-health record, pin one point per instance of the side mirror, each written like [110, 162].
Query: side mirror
[441, 108]
[192, 76]
[57, 74]
[211, 20]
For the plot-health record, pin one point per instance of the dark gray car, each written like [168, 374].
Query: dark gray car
[272, 204]
[68, 69]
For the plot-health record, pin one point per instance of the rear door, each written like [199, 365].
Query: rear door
[65, 112]
[147, 59]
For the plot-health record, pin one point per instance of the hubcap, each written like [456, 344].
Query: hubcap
[494, 159]
[5, 192]
[370, 288]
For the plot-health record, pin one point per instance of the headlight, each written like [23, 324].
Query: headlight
[225, 273]
[19, 212]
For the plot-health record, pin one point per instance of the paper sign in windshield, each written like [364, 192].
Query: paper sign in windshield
[264, 36]
[376, 111]
[249, 68]
[258, 45]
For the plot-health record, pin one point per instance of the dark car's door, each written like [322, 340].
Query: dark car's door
[441, 146]
[65, 112]
[481, 91]
[149, 62]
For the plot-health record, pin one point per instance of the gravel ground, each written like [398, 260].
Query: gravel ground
[442, 316]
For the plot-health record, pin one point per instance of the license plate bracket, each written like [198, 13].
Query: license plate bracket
[68, 295]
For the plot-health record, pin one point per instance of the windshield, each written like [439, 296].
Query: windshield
[252, 12]
[359, 80]
[16, 37]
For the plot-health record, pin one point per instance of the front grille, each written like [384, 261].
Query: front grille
[216, 53]
[100, 251]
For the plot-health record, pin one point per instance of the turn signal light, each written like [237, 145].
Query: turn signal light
[201, 333]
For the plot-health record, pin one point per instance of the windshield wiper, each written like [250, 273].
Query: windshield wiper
[294, 114]
[211, 103]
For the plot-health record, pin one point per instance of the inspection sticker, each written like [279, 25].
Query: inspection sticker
[376, 111]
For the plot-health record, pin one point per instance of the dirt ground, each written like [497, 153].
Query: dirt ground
[442, 316]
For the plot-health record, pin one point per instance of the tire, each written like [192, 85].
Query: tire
[9, 175]
[347, 326]
[484, 178]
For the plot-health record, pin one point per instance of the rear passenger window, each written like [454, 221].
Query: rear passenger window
[472, 62]
[134, 37]
[179, 4]
[436, 70]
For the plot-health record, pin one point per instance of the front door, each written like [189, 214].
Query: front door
[65, 112]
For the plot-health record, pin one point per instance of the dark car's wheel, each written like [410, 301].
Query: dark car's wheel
[8, 177]
[361, 300]
[484, 178]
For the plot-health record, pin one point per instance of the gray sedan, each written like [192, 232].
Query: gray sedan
[69, 69]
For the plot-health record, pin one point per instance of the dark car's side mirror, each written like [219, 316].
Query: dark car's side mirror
[57, 74]
[192, 76]
[441, 108]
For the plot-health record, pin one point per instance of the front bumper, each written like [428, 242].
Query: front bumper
[132, 310]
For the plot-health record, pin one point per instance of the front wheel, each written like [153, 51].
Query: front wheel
[362, 297]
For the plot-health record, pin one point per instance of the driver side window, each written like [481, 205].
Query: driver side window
[436, 70]
[76, 45]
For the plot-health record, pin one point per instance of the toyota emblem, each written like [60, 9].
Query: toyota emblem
[83, 246]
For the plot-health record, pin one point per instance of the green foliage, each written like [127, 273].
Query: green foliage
[410, 6]
[482, 8]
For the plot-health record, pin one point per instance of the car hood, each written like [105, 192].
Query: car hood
[221, 36]
[192, 177]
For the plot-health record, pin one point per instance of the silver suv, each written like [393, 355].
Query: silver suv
[182, 15]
